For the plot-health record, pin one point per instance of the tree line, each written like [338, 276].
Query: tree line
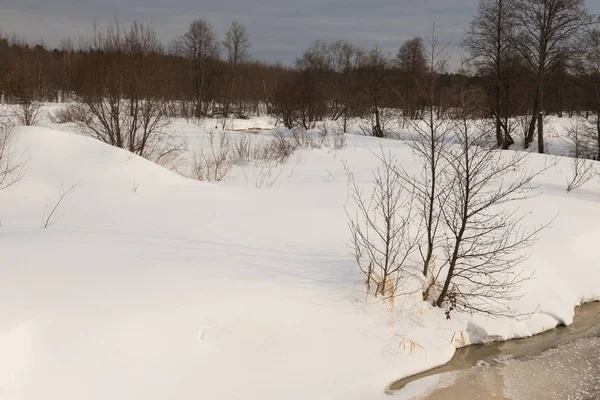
[527, 58]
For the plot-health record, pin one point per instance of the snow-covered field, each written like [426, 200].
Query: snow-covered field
[155, 286]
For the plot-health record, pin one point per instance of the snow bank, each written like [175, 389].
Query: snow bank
[154, 286]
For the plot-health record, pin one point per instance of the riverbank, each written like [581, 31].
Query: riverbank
[564, 362]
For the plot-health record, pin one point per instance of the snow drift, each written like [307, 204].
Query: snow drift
[154, 286]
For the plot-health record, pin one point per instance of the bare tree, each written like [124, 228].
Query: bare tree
[27, 92]
[489, 43]
[485, 238]
[373, 82]
[313, 68]
[236, 45]
[548, 34]
[413, 63]
[284, 102]
[345, 58]
[427, 137]
[198, 46]
[590, 71]
[213, 160]
[382, 236]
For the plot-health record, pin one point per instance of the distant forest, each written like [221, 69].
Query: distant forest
[525, 58]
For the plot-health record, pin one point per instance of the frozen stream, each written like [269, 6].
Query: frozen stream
[563, 363]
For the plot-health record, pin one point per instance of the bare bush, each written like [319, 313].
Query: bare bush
[138, 128]
[339, 141]
[304, 138]
[582, 165]
[581, 139]
[122, 95]
[74, 113]
[281, 147]
[53, 215]
[12, 164]
[214, 161]
[330, 134]
[381, 236]
[249, 148]
[582, 171]
[27, 112]
[325, 131]
[268, 176]
[245, 147]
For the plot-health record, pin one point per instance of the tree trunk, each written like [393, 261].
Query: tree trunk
[377, 131]
[535, 110]
[598, 129]
[452, 265]
[499, 135]
[541, 133]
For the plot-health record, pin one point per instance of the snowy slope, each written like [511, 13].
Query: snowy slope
[153, 286]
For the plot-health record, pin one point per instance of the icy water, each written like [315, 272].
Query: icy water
[563, 363]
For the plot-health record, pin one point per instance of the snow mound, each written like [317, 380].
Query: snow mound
[154, 286]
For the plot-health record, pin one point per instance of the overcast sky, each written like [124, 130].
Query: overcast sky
[280, 29]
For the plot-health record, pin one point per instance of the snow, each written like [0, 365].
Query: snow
[155, 286]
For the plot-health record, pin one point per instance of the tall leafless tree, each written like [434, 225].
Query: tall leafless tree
[488, 41]
[548, 34]
[284, 102]
[427, 137]
[236, 44]
[485, 237]
[345, 58]
[373, 74]
[413, 64]
[589, 70]
[198, 46]
[313, 67]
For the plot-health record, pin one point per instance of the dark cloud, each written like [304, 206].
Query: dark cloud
[280, 29]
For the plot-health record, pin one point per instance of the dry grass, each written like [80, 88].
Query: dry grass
[431, 280]
[387, 288]
[463, 338]
[410, 345]
[214, 160]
